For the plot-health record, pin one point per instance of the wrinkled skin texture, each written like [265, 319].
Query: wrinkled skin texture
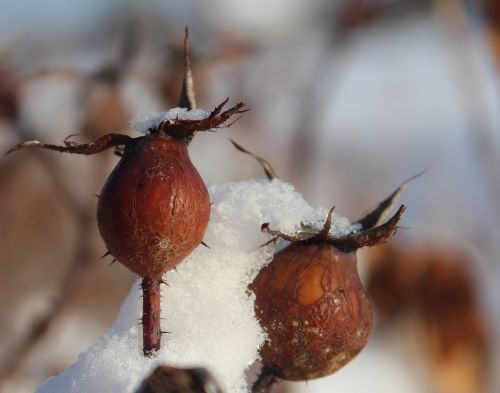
[154, 208]
[312, 305]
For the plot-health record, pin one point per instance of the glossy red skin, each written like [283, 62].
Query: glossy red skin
[315, 312]
[154, 208]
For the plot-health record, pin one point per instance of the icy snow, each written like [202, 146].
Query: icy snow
[207, 308]
[144, 123]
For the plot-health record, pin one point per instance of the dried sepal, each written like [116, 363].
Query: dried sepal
[375, 216]
[184, 129]
[324, 234]
[301, 236]
[187, 98]
[97, 146]
[351, 242]
[371, 236]
[268, 169]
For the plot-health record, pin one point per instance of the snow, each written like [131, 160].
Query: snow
[207, 309]
[144, 123]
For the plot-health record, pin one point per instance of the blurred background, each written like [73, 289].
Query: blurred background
[348, 99]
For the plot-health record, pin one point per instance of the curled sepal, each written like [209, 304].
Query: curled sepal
[371, 236]
[268, 169]
[183, 129]
[301, 236]
[375, 216]
[353, 241]
[101, 144]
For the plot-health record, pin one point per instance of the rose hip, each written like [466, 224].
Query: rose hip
[154, 207]
[310, 300]
[311, 303]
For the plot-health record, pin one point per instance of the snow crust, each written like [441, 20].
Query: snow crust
[143, 123]
[206, 307]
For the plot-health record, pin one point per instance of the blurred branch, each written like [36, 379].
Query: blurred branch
[74, 275]
[65, 295]
[166, 379]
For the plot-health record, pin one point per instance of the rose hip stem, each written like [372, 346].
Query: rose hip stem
[151, 296]
[151, 331]
[265, 381]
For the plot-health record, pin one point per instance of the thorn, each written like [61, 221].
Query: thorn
[205, 244]
[97, 196]
[112, 262]
[105, 255]
[162, 332]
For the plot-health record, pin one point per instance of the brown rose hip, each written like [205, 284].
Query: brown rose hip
[314, 311]
[309, 298]
[154, 207]
[311, 304]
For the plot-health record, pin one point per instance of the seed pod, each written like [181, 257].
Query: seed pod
[154, 208]
[309, 298]
[311, 303]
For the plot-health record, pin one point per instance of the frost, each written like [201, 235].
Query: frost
[207, 309]
[144, 123]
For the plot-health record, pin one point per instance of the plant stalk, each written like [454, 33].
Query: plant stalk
[151, 329]
[265, 381]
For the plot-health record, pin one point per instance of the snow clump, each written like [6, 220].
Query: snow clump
[207, 308]
[144, 123]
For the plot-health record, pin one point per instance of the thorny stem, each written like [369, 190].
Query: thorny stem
[265, 381]
[151, 329]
